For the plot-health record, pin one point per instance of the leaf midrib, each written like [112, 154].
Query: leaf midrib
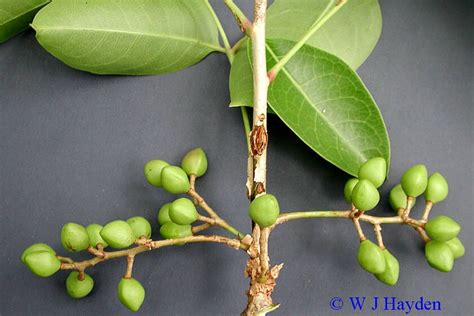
[295, 83]
[157, 35]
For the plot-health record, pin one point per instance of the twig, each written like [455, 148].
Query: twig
[264, 259]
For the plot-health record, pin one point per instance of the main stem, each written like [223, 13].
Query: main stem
[258, 266]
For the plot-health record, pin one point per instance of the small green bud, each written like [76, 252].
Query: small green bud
[118, 234]
[415, 180]
[36, 247]
[392, 269]
[442, 228]
[365, 195]
[78, 288]
[74, 237]
[172, 230]
[439, 255]
[456, 246]
[131, 294]
[183, 212]
[140, 226]
[93, 230]
[437, 188]
[398, 198]
[153, 169]
[264, 210]
[195, 162]
[350, 184]
[42, 263]
[374, 170]
[164, 214]
[370, 257]
[175, 180]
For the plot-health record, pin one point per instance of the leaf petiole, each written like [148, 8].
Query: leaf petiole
[228, 50]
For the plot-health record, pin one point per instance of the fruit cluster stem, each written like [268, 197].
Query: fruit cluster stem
[147, 245]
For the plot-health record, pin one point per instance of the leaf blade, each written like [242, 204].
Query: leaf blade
[135, 37]
[16, 16]
[351, 34]
[341, 122]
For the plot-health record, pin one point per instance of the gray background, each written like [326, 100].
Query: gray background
[73, 146]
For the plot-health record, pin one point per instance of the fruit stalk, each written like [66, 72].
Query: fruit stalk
[69, 264]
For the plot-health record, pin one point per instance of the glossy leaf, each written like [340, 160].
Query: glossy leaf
[351, 34]
[327, 105]
[241, 81]
[129, 37]
[16, 16]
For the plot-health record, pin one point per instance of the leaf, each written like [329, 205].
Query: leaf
[127, 37]
[241, 80]
[16, 16]
[351, 34]
[327, 105]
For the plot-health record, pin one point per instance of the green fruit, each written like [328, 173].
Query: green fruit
[398, 198]
[74, 237]
[175, 180]
[42, 263]
[172, 230]
[93, 230]
[140, 226]
[36, 247]
[392, 269]
[442, 228]
[415, 180]
[78, 288]
[350, 184]
[374, 170]
[456, 246]
[264, 210]
[195, 162]
[164, 214]
[153, 169]
[437, 188]
[370, 257]
[131, 294]
[365, 195]
[183, 212]
[439, 255]
[118, 234]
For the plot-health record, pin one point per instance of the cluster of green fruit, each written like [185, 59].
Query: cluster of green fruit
[175, 179]
[444, 246]
[363, 194]
[41, 259]
[175, 218]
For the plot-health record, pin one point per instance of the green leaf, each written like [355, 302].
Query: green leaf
[327, 105]
[16, 16]
[241, 80]
[127, 37]
[351, 34]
